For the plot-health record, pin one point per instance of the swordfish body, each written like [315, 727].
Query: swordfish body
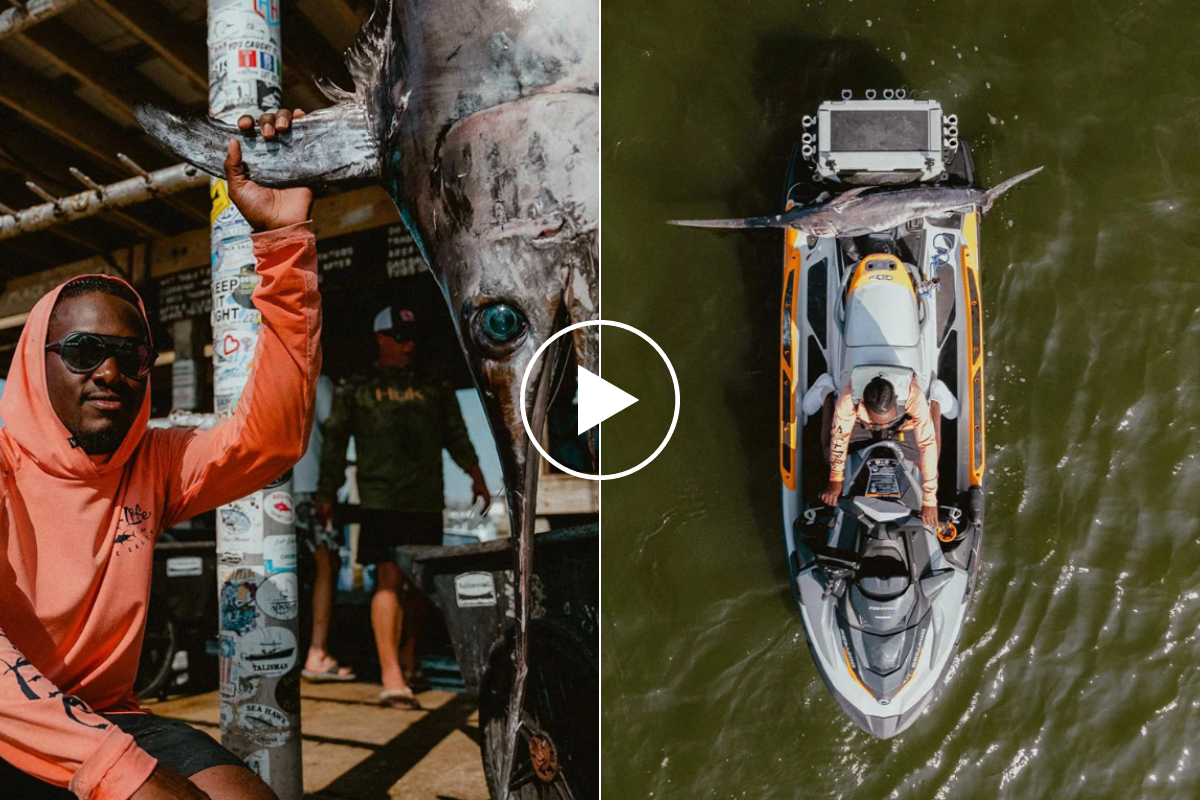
[481, 119]
[856, 213]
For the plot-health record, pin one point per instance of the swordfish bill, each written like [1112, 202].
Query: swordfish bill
[481, 120]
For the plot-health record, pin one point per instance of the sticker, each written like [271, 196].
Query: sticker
[185, 567]
[218, 192]
[475, 589]
[267, 651]
[240, 527]
[244, 688]
[238, 608]
[243, 289]
[259, 763]
[233, 252]
[287, 692]
[227, 650]
[279, 596]
[264, 725]
[280, 507]
[279, 553]
[268, 10]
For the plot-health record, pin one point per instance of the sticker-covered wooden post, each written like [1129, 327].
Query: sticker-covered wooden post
[256, 536]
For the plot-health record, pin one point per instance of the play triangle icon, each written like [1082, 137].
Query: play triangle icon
[599, 400]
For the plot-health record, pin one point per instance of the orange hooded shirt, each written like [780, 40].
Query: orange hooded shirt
[847, 413]
[77, 531]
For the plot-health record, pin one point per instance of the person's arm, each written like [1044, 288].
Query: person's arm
[269, 431]
[839, 441]
[457, 442]
[55, 737]
[324, 404]
[926, 436]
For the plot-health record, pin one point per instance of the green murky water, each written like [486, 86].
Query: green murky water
[1077, 673]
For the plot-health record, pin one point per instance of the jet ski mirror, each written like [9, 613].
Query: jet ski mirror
[881, 510]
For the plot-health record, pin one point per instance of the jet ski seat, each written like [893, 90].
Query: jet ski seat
[882, 326]
[882, 573]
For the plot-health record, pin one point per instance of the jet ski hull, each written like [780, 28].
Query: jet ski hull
[817, 271]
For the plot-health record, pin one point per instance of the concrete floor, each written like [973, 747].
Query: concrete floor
[354, 749]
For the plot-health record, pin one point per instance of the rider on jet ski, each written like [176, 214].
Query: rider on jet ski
[876, 418]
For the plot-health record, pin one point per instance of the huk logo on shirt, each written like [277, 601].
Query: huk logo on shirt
[133, 529]
[396, 396]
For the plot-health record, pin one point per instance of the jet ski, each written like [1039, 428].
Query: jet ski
[883, 598]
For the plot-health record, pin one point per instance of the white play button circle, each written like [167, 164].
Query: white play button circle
[598, 399]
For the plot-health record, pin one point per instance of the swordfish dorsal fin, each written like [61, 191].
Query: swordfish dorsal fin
[337, 145]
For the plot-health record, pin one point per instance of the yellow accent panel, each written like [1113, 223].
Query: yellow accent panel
[975, 350]
[853, 674]
[894, 272]
[787, 383]
[971, 231]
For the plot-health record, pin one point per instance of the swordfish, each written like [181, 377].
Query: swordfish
[855, 213]
[481, 119]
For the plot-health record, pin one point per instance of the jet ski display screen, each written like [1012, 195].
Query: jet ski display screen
[875, 131]
[882, 480]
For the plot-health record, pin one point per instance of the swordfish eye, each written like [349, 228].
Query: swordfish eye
[498, 328]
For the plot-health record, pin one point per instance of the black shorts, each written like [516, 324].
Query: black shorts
[311, 533]
[381, 532]
[175, 744]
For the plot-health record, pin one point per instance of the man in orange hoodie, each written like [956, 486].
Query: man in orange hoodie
[86, 488]
[876, 417]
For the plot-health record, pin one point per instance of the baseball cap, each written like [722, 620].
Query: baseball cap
[395, 319]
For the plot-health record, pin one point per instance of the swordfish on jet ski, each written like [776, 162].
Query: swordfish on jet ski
[855, 213]
[881, 282]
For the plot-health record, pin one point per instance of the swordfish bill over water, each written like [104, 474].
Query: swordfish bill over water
[481, 119]
[855, 213]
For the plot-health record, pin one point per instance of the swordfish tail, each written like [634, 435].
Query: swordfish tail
[1001, 188]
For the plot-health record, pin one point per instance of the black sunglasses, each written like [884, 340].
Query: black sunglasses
[84, 352]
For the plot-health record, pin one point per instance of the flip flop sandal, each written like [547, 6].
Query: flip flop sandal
[329, 675]
[400, 698]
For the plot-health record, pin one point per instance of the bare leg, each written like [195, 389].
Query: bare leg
[318, 659]
[228, 782]
[415, 608]
[387, 620]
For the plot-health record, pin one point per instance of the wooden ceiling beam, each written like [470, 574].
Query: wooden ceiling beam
[61, 46]
[178, 45]
[24, 15]
[68, 119]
